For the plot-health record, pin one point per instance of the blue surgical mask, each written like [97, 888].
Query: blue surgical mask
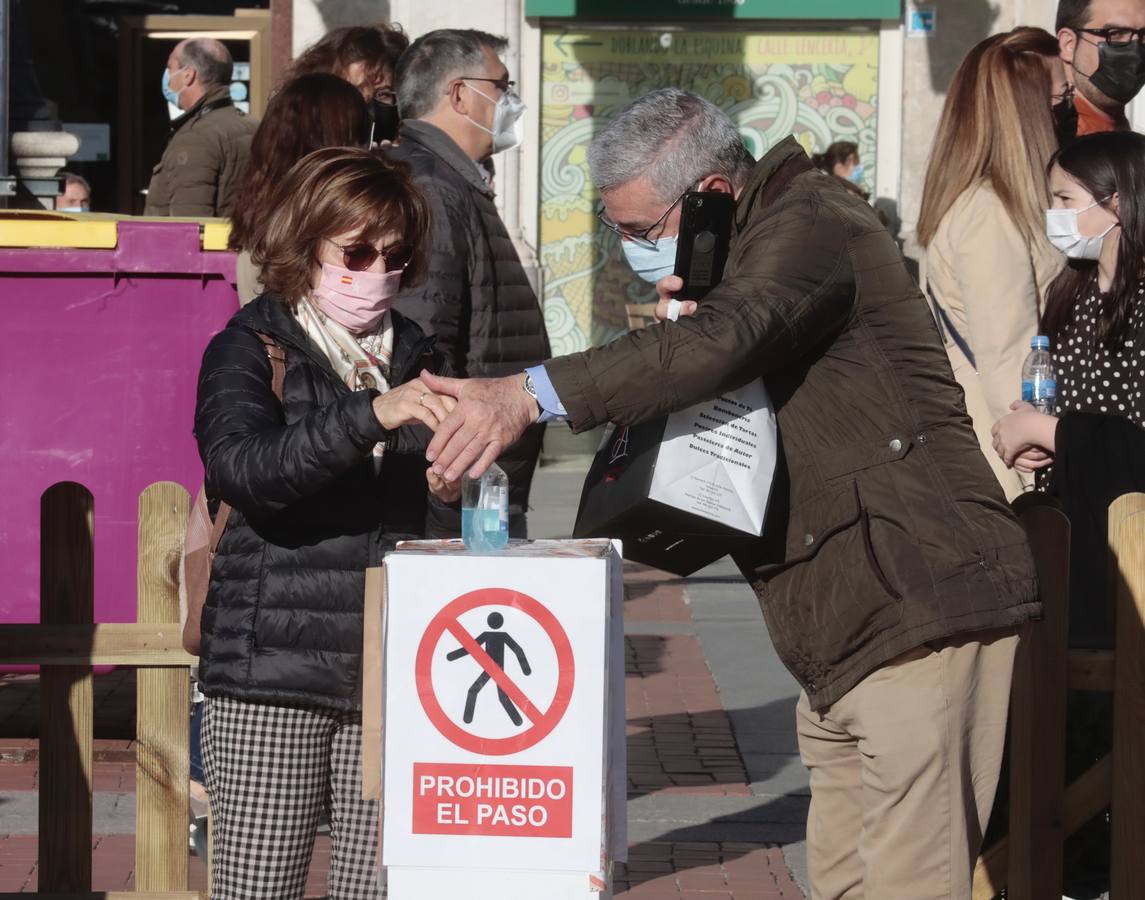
[651, 263]
[169, 95]
[72, 209]
[856, 175]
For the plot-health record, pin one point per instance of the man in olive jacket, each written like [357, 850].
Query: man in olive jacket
[454, 93]
[203, 164]
[892, 575]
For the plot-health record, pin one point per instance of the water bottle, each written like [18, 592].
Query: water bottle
[485, 511]
[1039, 384]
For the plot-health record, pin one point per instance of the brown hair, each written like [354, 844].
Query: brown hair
[996, 124]
[378, 46]
[328, 192]
[309, 113]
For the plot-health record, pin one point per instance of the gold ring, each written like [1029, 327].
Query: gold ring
[421, 399]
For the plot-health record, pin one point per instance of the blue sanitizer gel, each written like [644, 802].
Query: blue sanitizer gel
[485, 511]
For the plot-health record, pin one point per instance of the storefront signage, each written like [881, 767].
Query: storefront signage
[801, 10]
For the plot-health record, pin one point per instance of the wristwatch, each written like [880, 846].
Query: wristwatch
[531, 389]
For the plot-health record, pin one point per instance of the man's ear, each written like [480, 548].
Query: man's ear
[1067, 44]
[456, 97]
[718, 183]
[190, 76]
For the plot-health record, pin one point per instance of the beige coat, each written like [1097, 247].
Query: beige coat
[992, 287]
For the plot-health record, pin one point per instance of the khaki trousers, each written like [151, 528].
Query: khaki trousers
[903, 772]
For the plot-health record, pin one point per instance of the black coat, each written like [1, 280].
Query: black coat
[1097, 458]
[476, 300]
[312, 509]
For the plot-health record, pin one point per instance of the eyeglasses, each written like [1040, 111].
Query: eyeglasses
[503, 84]
[641, 238]
[386, 97]
[359, 257]
[1117, 37]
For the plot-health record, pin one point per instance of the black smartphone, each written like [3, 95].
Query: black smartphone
[702, 246]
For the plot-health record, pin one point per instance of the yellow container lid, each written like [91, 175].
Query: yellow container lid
[90, 231]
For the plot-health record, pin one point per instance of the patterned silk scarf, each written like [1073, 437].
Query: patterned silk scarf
[361, 361]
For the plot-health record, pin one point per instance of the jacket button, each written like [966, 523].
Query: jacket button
[922, 439]
[808, 540]
[895, 445]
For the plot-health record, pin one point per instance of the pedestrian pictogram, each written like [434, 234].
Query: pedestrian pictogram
[518, 700]
[494, 642]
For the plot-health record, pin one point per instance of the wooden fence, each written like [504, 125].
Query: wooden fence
[1043, 809]
[67, 644]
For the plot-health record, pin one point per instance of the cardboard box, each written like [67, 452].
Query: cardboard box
[504, 729]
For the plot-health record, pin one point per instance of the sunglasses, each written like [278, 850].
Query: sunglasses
[359, 257]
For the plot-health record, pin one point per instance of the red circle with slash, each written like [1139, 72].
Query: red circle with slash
[543, 721]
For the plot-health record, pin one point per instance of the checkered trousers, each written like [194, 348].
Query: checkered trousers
[271, 771]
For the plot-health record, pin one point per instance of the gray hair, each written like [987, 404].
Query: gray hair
[435, 59]
[73, 178]
[673, 137]
[210, 58]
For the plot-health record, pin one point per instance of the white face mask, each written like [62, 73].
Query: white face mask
[651, 263]
[1063, 232]
[508, 123]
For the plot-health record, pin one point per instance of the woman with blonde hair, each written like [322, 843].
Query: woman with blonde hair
[988, 262]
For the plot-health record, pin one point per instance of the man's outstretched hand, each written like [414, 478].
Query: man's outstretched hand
[491, 413]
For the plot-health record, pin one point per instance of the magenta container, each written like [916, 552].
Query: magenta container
[101, 352]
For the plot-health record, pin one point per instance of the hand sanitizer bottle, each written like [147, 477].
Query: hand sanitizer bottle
[485, 511]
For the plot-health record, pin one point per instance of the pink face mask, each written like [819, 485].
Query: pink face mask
[356, 300]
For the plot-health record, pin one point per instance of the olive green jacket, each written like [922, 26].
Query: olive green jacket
[886, 528]
[202, 168]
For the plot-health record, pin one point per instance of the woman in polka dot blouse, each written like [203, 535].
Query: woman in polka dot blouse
[1095, 319]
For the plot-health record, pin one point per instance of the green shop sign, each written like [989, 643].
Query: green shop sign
[715, 9]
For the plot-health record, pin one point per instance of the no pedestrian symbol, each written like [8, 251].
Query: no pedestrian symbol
[490, 648]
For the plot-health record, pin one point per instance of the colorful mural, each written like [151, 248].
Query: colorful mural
[819, 86]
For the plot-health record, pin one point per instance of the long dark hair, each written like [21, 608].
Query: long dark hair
[1105, 164]
[309, 113]
[838, 152]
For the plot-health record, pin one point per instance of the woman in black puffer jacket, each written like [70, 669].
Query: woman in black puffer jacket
[321, 485]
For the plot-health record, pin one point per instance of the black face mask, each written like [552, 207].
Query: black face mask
[1065, 120]
[386, 121]
[1120, 71]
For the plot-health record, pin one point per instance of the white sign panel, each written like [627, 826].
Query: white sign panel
[717, 458]
[496, 708]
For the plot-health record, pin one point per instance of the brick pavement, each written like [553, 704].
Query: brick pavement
[680, 741]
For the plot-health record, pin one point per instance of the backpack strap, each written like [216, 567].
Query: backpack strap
[277, 363]
[277, 358]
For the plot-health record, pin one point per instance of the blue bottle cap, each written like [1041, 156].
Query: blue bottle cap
[1040, 342]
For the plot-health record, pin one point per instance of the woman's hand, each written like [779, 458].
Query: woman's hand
[445, 491]
[1025, 437]
[665, 288]
[409, 403]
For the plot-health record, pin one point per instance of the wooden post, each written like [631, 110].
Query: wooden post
[65, 693]
[1037, 717]
[163, 702]
[1127, 543]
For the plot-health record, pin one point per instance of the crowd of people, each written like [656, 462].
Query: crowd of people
[894, 577]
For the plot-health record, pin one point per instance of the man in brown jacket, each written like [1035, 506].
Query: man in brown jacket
[892, 575]
[202, 167]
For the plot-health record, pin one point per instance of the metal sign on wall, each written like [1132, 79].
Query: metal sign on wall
[716, 9]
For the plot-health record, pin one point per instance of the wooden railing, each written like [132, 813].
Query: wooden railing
[1044, 811]
[66, 644]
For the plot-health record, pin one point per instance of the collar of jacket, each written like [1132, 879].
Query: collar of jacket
[210, 101]
[762, 173]
[269, 315]
[445, 148]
